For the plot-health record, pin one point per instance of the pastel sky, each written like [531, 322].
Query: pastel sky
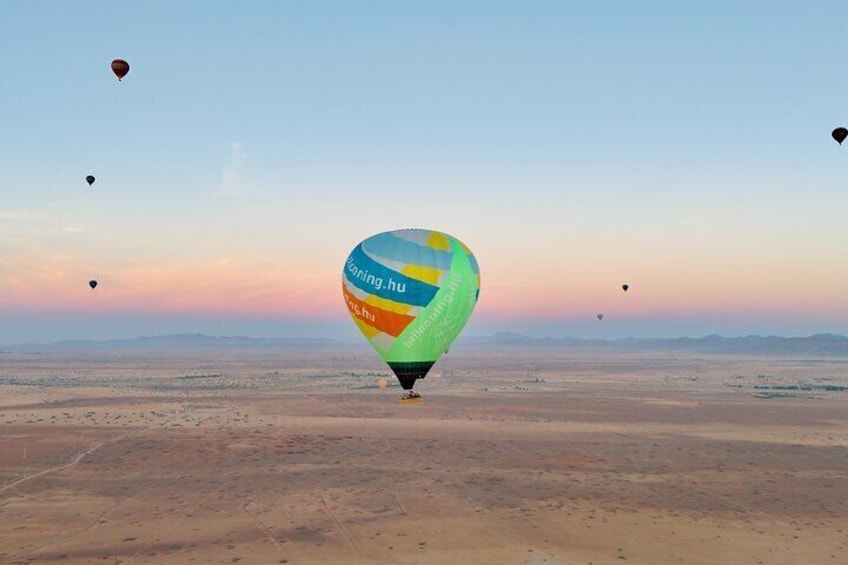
[683, 148]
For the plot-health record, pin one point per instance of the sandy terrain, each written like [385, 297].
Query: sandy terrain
[518, 456]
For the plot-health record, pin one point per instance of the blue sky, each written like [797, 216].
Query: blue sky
[685, 148]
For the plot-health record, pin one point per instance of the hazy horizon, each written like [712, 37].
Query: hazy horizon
[335, 332]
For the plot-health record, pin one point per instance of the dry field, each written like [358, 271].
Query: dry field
[517, 456]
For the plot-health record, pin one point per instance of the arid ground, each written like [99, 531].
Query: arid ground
[517, 456]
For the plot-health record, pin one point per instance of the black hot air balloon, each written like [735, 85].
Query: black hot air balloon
[624, 287]
[839, 134]
[600, 316]
[93, 284]
[90, 180]
[120, 68]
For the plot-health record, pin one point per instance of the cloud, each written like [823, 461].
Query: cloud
[231, 181]
[15, 215]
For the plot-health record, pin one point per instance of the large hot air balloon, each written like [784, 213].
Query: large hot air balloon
[839, 134]
[90, 180]
[93, 284]
[410, 292]
[120, 68]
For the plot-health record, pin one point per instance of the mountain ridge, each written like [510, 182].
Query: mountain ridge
[821, 343]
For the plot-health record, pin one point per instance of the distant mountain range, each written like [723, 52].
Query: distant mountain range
[818, 344]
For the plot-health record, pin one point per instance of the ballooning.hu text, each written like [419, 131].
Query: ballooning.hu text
[375, 281]
[360, 312]
[450, 290]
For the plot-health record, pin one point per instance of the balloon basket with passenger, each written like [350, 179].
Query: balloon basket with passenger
[411, 397]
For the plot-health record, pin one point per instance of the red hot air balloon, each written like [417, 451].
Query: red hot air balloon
[839, 134]
[120, 68]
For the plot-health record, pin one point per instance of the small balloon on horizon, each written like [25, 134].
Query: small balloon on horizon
[90, 180]
[93, 284]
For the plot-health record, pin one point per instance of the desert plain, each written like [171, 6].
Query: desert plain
[518, 455]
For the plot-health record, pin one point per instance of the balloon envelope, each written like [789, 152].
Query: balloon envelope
[92, 283]
[410, 293]
[839, 134]
[90, 180]
[624, 287]
[120, 68]
[600, 316]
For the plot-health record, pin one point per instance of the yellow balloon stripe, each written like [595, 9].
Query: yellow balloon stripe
[388, 305]
[426, 274]
[438, 241]
[366, 330]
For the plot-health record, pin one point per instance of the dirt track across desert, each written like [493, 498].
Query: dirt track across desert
[529, 456]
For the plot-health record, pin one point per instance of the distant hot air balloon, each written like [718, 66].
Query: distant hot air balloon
[120, 68]
[382, 383]
[410, 292]
[624, 287]
[839, 134]
[600, 316]
[92, 284]
[90, 180]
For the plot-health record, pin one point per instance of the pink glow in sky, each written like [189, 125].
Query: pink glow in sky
[682, 148]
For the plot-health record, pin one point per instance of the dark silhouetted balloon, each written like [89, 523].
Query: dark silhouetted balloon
[92, 284]
[839, 134]
[624, 287]
[120, 68]
[600, 316]
[90, 180]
